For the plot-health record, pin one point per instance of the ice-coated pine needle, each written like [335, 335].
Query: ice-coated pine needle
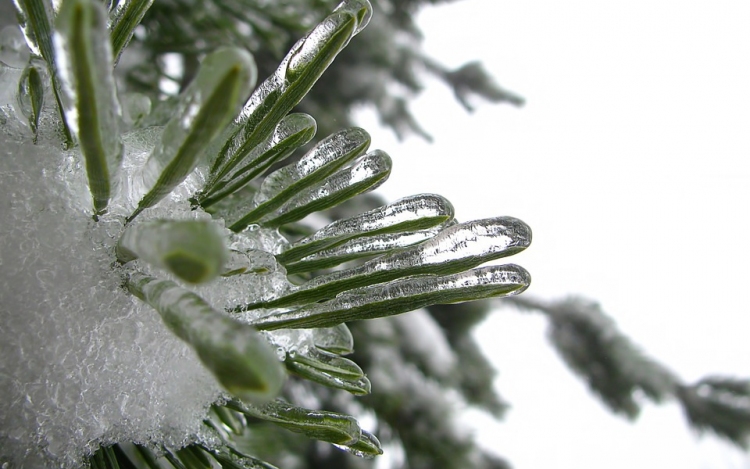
[291, 133]
[84, 59]
[367, 447]
[365, 175]
[35, 17]
[357, 386]
[401, 296]
[242, 361]
[192, 250]
[367, 246]
[328, 369]
[297, 73]
[330, 363]
[417, 212]
[205, 107]
[321, 161]
[123, 19]
[191, 457]
[31, 94]
[454, 249]
[317, 424]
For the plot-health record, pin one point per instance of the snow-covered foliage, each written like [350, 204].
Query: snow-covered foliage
[140, 257]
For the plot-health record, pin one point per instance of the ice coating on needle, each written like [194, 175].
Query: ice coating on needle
[83, 58]
[400, 296]
[242, 361]
[330, 370]
[192, 250]
[367, 447]
[296, 74]
[454, 249]
[412, 213]
[336, 339]
[319, 424]
[38, 39]
[292, 132]
[357, 248]
[363, 176]
[327, 156]
[208, 104]
[124, 16]
[361, 9]
[277, 188]
[31, 91]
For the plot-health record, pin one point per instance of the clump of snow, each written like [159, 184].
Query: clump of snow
[83, 362]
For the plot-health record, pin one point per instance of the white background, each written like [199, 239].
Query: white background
[630, 162]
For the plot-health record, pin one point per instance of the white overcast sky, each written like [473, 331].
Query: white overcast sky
[631, 163]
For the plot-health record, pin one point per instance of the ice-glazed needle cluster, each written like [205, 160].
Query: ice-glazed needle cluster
[154, 296]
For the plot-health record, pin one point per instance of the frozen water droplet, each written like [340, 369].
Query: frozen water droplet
[336, 339]
[367, 447]
[361, 9]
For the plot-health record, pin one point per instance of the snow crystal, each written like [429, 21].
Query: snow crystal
[83, 361]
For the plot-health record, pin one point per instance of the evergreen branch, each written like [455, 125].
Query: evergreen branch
[591, 345]
[720, 405]
[615, 369]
